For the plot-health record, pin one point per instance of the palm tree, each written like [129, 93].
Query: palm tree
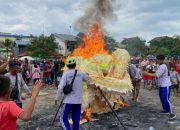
[1, 43]
[9, 45]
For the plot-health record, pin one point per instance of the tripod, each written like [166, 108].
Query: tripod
[109, 104]
[58, 110]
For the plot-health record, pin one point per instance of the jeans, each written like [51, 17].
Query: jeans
[47, 80]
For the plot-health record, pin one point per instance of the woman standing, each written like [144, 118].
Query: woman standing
[35, 73]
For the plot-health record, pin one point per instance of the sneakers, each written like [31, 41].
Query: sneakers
[164, 113]
[172, 116]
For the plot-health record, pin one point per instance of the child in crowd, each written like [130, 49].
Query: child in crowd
[35, 73]
[9, 111]
[46, 74]
[175, 79]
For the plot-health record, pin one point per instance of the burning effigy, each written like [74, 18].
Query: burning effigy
[107, 71]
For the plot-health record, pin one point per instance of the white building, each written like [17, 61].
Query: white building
[66, 43]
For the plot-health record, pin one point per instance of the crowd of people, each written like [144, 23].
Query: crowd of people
[150, 65]
[48, 71]
[161, 73]
[16, 75]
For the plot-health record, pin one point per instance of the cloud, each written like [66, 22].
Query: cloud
[144, 18]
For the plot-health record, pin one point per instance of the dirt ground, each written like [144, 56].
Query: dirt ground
[141, 115]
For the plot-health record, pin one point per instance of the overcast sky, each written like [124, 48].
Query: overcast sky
[144, 18]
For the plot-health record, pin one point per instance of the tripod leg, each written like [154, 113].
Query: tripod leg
[109, 104]
[57, 111]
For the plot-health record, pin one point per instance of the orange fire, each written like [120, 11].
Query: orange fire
[93, 43]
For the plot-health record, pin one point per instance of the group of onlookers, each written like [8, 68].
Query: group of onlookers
[11, 85]
[14, 77]
[163, 73]
[150, 65]
[48, 71]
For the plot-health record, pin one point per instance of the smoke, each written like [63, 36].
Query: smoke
[98, 10]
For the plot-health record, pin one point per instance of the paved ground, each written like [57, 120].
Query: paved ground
[142, 115]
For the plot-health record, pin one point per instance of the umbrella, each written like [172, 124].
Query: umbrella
[28, 57]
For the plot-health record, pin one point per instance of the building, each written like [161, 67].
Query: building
[66, 43]
[20, 47]
[19, 41]
[14, 37]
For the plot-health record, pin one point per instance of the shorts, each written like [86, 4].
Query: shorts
[137, 84]
[34, 80]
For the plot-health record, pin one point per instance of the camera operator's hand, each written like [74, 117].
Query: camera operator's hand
[36, 88]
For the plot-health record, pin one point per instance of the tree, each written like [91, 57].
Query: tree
[111, 43]
[175, 50]
[8, 45]
[42, 46]
[168, 46]
[135, 46]
[1, 43]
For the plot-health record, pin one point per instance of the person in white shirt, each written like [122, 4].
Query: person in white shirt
[72, 101]
[17, 82]
[164, 83]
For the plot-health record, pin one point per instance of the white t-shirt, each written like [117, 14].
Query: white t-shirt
[75, 97]
[163, 76]
[21, 83]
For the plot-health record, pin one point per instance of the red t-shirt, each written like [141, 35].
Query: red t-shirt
[46, 73]
[177, 65]
[9, 113]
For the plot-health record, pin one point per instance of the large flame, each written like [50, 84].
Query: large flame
[92, 43]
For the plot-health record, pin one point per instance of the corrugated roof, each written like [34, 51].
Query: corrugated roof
[13, 35]
[65, 37]
[22, 42]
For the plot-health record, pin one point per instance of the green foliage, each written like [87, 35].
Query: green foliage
[8, 44]
[42, 46]
[166, 45]
[111, 43]
[135, 46]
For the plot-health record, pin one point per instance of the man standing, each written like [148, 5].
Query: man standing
[72, 101]
[134, 74]
[17, 82]
[164, 84]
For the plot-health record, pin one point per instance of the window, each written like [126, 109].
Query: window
[70, 46]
